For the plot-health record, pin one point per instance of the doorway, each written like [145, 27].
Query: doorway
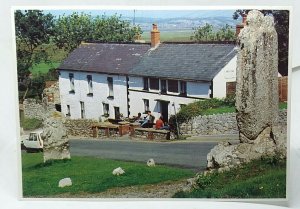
[164, 110]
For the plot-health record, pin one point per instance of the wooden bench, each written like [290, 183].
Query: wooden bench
[152, 133]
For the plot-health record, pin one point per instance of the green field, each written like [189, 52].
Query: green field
[89, 175]
[259, 179]
[43, 68]
[170, 36]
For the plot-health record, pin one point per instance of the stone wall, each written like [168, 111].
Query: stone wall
[218, 124]
[34, 109]
[80, 127]
[51, 92]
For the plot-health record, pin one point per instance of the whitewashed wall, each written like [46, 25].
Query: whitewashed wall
[136, 96]
[93, 104]
[227, 74]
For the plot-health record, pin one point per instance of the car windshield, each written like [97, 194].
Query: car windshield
[32, 137]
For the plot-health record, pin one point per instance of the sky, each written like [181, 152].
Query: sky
[151, 13]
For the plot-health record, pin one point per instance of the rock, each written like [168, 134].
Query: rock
[65, 182]
[191, 183]
[118, 171]
[257, 82]
[56, 143]
[150, 163]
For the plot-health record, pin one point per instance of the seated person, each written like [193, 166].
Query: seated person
[165, 127]
[159, 123]
[138, 118]
[147, 123]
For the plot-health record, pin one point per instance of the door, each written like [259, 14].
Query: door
[164, 110]
[117, 113]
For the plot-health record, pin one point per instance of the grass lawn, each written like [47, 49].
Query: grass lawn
[228, 109]
[31, 123]
[219, 110]
[258, 179]
[89, 175]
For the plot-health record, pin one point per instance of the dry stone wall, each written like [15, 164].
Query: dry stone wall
[80, 127]
[34, 109]
[219, 124]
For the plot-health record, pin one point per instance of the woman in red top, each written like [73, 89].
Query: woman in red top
[159, 123]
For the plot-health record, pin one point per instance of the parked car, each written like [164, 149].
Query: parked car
[34, 142]
[23, 138]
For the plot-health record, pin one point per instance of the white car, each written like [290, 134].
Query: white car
[34, 142]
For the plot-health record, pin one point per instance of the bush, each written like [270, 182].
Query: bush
[31, 123]
[204, 181]
[198, 108]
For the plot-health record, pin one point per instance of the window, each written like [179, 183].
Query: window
[183, 88]
[110, 87]
[146, 105]
[146, 84]
[163, 86]
[173, 86]
[105, 110]
[68, 111]
[90, 85]
[82, 110]
[154, 83]
[72, 87]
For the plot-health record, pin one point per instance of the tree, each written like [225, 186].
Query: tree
[203, 33]
[208, 33]
[33, 29]
[73, 29]
[281, 19]
[225, 34]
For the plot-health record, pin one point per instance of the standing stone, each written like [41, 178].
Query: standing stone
[56, 143]
[257, 82]
[260, 132]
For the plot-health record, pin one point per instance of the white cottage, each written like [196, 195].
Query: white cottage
[107, 79]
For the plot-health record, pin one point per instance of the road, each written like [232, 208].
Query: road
[182, 154]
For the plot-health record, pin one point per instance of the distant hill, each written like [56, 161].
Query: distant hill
[184, 23]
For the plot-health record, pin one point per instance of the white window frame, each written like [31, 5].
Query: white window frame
[90, 84]
[82, 110]
[72, 82]
[105, 109]
[146, 105]
[110, 83]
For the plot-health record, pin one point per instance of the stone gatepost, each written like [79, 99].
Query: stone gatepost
[257, 82]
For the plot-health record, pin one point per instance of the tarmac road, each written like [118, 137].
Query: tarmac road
[181, 154]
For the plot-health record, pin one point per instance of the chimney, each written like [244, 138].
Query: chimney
[239, 27]
[155, 36]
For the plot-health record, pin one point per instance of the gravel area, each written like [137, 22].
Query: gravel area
[162, 190]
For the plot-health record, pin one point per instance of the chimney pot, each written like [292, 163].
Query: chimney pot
[155, 36]
[239, 27]
[244, 19]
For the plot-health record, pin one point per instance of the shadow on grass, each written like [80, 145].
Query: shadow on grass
[50, 163]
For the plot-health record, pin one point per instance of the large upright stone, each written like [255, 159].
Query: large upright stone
[257, 82]
[260, 132]
[56, 143]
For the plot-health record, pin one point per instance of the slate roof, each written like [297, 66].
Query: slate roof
[104, 57]
[172, 61]
[185, 61]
